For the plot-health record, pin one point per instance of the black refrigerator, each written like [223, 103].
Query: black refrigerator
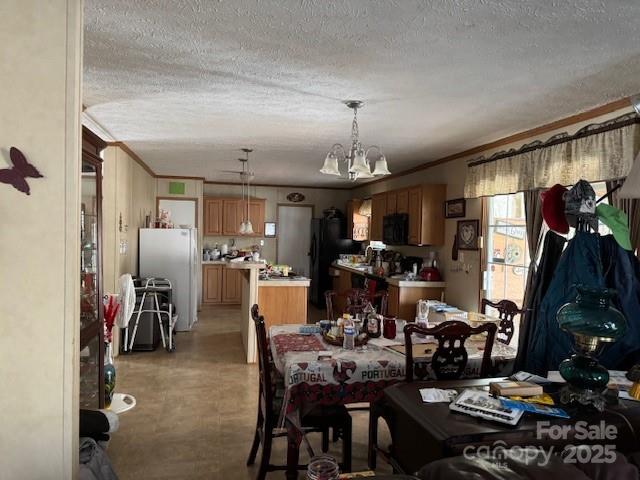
[328, 241]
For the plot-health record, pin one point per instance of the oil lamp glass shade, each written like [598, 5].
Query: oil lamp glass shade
[592, 316]
[381, 167]
[360, 165]
[330, 166]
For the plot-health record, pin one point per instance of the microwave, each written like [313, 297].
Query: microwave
[395, 229]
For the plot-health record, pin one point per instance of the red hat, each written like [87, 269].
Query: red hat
[553, 208]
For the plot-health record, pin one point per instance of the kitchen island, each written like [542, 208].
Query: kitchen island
[281, 300]
[403, 294]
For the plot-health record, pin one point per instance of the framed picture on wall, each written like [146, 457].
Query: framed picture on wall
[269, 229]
[467, 233]
[456, 208]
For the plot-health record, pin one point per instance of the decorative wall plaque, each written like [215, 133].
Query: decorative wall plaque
[295, 197]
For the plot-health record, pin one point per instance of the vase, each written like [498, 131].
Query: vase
[109, 375]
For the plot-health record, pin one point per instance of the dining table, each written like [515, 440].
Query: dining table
[317, 373]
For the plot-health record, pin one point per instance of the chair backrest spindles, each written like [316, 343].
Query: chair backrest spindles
[507, 311]
[450, 357]
[356, 301]
[264, 362]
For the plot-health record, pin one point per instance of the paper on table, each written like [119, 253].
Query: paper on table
[436, 395]
[554, 376]
[616, 377]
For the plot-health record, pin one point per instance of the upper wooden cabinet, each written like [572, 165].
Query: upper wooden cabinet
[212, 216]
[425, 206]
[402, 204]
[426, 214]
[378, 210]
[357, 225]
[222, 216]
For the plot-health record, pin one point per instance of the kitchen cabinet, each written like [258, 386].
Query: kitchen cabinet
[402, 203]
[341, 283]
[231, 286]
[221, 285]
[415, 215]
[378, 211]
[212, 283]
[256, 215]
[357, 225]
[213, 216]
[282, 305]
[231, 216]
[222, 216]
[402, 300]
[392, 203]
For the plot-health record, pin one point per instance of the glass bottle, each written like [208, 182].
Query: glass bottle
[323, 467]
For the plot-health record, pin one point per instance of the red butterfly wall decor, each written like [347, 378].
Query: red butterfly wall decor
[18, 174]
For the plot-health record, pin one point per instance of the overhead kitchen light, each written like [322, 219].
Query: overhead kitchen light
[246, 228]
[356, 158]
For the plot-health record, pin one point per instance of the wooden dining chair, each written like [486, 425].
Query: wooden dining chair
[507, 311]
[356, 300]
[448, 361]
[320, 419]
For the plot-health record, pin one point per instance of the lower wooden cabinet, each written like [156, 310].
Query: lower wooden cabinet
[221, 285]
[403, 300]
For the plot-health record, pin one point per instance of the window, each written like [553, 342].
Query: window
[507, 251]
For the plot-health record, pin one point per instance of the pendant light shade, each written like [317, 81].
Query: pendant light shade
[360, 164]
[243, 228]
[248, 228]
[330, 166]
[381, 167]
[366, 174]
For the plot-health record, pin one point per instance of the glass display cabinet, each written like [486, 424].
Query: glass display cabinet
[91, 307]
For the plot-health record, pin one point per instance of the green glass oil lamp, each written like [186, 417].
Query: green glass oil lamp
[592, 321]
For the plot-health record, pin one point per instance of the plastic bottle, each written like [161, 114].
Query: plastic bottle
[349, 342]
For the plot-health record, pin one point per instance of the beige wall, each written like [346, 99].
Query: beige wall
[130, 191]
[463, 289]
[40, 65]
[318, 197]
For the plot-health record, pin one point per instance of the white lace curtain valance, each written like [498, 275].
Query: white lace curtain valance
[596, 153]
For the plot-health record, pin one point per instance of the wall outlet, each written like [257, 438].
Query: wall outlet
[262, 243]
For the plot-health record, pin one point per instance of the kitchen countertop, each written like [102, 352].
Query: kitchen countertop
[284, 282]
[397, 282]
[229, 264]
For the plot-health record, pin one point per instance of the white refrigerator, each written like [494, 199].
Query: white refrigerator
[172, 254]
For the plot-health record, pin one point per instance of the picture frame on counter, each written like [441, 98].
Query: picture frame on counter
[468, 234]
[456, 208]
[270, 229]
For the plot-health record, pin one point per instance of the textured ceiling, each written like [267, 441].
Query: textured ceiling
[187, 83]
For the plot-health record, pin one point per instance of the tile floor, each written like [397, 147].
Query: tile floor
[196, 409]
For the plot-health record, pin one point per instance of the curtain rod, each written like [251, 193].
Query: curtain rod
[560, 138]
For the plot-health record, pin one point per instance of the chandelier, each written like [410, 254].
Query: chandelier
[356, 157]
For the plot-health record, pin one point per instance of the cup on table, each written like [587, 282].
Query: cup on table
[325, 325]
[389, 328]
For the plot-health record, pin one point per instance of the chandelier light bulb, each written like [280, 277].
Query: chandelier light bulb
[381, 167]
[330, 166]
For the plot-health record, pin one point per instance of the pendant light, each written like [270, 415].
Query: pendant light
[246, 228]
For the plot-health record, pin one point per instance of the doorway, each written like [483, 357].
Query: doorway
[294, 237]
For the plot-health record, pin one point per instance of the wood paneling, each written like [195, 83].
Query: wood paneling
[212, 283]
[282, 305]
[213, 216]
[231, 286]
[378, 210]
